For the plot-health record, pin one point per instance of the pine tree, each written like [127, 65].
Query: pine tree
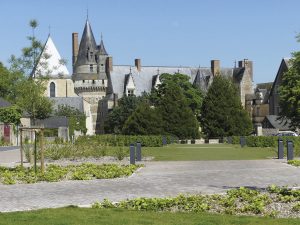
[178, 118]
[222, 113]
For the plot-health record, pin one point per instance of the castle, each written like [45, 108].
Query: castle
[96, 83]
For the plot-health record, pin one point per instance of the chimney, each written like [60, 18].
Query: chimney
[74, 47]
[247, 64]
[109, 64]
[215, 67]
[137, 63]
[115, 97]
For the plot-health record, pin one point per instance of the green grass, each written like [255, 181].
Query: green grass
[77, 216]
[183, 152]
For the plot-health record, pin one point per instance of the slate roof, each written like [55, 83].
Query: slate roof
[4, 103]
[53, 122]
[87, 42]
[144, 79]
[275, 122]
[101, 48]
[75, 102]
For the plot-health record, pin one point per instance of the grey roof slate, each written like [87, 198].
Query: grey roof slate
[144, 79]
[75, 102]
[101, 48]
[87, 42]
[53, 122]
[4, 103]
[277, 123]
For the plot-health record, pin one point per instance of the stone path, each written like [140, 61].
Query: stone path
[155, 179]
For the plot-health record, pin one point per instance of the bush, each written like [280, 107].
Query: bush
[124, 140]
[269, 141]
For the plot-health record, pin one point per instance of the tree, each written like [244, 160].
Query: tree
[289, 92]
[118, 116]
[10, 115]
[145, 120]
[178, 118]
[30, 92]
[222, 113]
[193, 95]
[77, 119]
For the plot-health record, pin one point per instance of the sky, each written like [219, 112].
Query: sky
[162, 32]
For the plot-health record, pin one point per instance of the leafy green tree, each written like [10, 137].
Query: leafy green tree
[11, 115]
[118, 116]
[289, 92]
[8, 83]
[145, 120]
[29, 92]
[193, 95]
[77, 119]
[178, 118]
[222, 113]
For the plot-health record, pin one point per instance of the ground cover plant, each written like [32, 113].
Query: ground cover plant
[294, 162]
[53, 173]
[83, 216]
[274, 202]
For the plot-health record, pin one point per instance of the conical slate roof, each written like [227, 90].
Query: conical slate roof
[102, 50]
[49, 62]
[87, 44]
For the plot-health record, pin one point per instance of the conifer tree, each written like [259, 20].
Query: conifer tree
[222, 113]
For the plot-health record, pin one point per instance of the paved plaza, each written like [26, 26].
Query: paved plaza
[156, 179]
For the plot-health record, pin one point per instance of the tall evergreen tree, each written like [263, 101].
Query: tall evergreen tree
[144, 121]
[178, 118]
[222, 113]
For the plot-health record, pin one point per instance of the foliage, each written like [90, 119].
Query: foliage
[118, 116]
[294, 162]
[123, 140]
[289, 92]
[269, 141]
[76, 119]
[178, 119]
[193, 95]
[32, 100]
[54, 173]
[120, 152]
[10, 115]
[143, 121]
[236, 201]
[222, 113]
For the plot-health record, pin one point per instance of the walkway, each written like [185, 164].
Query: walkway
[156, 179]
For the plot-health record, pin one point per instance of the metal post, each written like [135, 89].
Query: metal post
[280, 149]
[138, 151]
[35, 154]
[290, 150]
[242, 141]
[21, 147]
[42, 151]
[132, 154]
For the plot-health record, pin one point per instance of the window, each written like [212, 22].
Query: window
[83, 81]
[93, 81]
[91, 68]
[130, 92]
[52, 89]
[102, 81]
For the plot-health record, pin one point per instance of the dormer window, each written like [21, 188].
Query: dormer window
[130, 92]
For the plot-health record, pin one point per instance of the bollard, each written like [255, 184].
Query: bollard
[132, 154]
[138, 151]
[242, 141]
[290, 150]
[229, 140]
[280, 149]
[164, 140]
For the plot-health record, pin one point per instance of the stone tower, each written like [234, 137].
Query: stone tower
[89, 71]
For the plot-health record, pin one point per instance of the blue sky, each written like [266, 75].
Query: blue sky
[163, 32]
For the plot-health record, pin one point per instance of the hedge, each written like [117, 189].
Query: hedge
[268, 141]
[125, 140]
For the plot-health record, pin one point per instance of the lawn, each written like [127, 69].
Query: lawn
[183, 152]
[77, 216]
